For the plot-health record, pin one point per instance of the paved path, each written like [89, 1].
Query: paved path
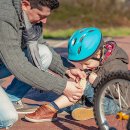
[34, 96]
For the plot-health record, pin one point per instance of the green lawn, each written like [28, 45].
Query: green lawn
[112, 32]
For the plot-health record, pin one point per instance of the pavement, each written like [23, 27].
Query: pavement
[34, 96]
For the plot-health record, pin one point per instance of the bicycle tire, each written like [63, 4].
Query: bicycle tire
[106, 79]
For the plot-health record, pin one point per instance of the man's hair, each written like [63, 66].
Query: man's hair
[52, 4]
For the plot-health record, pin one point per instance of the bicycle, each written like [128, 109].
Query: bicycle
[112, 101]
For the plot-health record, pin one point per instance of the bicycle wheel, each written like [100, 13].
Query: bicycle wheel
[112, 101]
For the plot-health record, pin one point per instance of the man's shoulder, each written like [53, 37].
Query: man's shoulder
[7, 11]
[8, 14]
[6, 6]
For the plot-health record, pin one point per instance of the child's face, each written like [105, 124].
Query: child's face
[91, 63]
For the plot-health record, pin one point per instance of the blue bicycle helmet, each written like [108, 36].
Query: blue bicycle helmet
[84, 43]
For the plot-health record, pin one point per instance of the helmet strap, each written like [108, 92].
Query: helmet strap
[101, 55]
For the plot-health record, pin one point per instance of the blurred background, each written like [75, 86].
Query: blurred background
[112, 16]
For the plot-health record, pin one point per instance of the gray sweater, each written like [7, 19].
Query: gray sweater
[12, 56]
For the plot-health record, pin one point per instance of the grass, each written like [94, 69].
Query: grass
[116, 32]
[112, 32]
[59, 33]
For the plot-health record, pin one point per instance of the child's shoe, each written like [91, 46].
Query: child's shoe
[82, 113]
[44, 113]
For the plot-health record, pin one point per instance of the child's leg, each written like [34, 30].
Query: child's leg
[63, 102]
[48, 112]
[89, 92]
[83, 112]
[110, 107]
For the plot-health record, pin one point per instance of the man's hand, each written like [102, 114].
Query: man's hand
[76, 74]
[73, 91]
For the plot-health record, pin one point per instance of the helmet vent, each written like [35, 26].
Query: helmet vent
[81, 39]
[74, 41]
[79, 50]
[90, 30]
[82, 30]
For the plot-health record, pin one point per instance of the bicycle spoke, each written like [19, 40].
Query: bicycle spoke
[122, 97]
[119, 96]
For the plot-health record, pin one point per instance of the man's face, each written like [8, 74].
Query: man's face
[36, 15]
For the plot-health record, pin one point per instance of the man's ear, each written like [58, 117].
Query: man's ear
[26, 5]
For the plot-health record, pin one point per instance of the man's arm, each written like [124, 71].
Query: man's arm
[15, 60]
[59, 64]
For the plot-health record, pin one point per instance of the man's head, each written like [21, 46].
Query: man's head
[38, 10]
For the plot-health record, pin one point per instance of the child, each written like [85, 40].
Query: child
[86, 47]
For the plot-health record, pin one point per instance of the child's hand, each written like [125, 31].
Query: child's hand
[76, 74]
[92, 77]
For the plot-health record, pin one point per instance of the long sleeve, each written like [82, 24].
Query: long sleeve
[15, 60]
[59, 64]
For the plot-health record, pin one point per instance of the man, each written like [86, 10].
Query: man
[15, 34]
